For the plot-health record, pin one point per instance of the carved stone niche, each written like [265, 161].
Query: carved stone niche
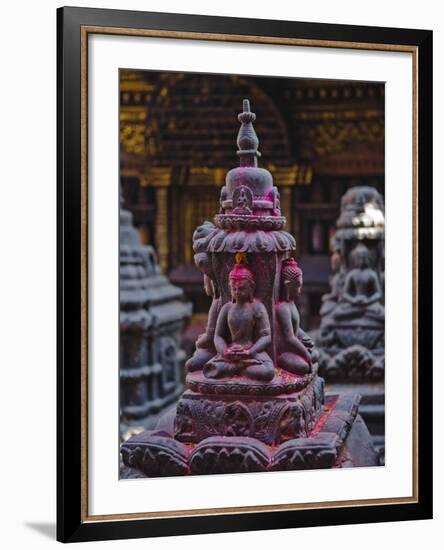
[254, 400]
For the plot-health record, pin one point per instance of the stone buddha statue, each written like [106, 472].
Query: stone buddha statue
[242, 333]
[362, 295]
[294, 347]
[205, 349]
[330, 300]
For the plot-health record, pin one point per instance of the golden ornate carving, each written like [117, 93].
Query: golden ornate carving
[328, 138]
[161, 227]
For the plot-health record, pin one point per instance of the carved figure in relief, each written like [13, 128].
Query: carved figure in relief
[293, 345]
[330, 300]
[242, 333]
[362, 295]
[205, 349]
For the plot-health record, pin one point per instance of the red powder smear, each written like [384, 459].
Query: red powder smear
[330, 402]
[288, 377]
[190, 446]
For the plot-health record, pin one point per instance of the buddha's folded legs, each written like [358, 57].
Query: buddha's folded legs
[264, 372]
[198, 360]
[219, 368]
[294, 363]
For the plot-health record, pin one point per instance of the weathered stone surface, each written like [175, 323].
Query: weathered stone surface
[282, 383]
[342, 416]
[371, 408]
[307, 453]
[358, 450]
[227, 455]
[339, 439]
[155, 453]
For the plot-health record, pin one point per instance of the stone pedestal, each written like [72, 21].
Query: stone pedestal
[231, 408]
[338, 439]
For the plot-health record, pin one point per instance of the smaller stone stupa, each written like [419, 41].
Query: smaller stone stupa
[152, 315]
[351, 336]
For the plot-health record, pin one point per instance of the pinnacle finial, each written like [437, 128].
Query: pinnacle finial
[247, 140]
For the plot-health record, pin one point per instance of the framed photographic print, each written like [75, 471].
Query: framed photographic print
[245, 266]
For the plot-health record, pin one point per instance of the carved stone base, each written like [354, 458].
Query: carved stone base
[354, 364]
[157, 453]
[270, 419]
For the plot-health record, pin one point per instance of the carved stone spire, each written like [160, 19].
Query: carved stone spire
[247, 140]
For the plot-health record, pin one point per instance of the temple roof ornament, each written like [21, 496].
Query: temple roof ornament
[247, 140]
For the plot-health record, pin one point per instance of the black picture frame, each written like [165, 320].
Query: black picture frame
[73, 523]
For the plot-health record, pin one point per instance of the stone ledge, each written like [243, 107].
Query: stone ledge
[156, 453]
[282, 383]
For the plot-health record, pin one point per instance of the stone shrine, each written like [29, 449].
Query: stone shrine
[254, 401]
[351, 335]
[152, 315]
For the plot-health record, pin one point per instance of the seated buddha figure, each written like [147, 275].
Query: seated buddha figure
[242, 333]
[330, 300]
[294, 348]
[205, 349]
[362, 295]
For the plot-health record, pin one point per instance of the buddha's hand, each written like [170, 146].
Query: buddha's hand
[249, 352]
[235, 351]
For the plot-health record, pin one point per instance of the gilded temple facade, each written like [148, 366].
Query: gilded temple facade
[176, 136]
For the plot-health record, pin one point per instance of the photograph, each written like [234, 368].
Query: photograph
[221, 293]
[244, 258]
[251, 261]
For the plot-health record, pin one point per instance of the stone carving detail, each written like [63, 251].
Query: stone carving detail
[218, 455]
[271, 420]
[242, 333]
[243, 201]
[351, 337]
[296, 352]
[156, 454]
[205, 349]
[254, 400]
[304, 453]
[281, 383]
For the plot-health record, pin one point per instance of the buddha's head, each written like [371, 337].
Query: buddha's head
[360, 256]
[242, 284]
[291, 279]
